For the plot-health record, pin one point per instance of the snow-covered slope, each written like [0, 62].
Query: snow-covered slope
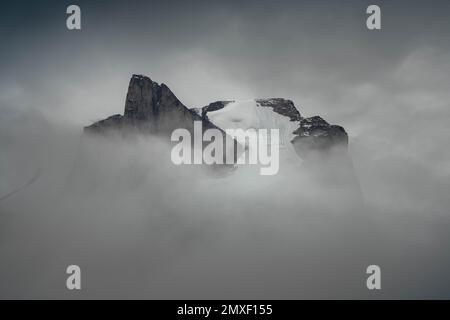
[258, 114]
[248, 114]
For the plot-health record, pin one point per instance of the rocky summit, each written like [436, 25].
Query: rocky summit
[154, 109]
[150, 108]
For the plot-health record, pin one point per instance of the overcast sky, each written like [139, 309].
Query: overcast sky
[319, 54]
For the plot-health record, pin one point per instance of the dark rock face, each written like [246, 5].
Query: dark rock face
[113, 122]
[214, 106]
[150, 108]
[143, 98]
[315, 134]
[281, 106]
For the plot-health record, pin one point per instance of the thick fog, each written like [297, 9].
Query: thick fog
[140, 227]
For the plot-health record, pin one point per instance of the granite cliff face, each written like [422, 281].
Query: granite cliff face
[315, 134]
[150, 108]
[153, 108]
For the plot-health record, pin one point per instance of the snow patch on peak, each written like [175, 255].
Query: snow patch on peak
[249, 114]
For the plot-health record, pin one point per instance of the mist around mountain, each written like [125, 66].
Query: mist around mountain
[142, 227]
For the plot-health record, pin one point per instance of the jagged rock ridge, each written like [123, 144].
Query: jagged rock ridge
[313, 133]
[151, 108]
[317, 134]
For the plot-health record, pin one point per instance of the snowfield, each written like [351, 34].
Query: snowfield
[249, 114]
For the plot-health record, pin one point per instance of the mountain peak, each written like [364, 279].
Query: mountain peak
[153, 108]
[142, 96]
[150, 107]
[281, 106]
